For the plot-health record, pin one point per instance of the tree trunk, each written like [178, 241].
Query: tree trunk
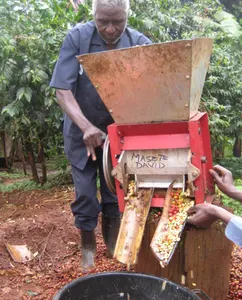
[237, 146]
[4, 149]
[18, 149]
[43, 164]
[196, 262]
[20, 146]
[31, 159]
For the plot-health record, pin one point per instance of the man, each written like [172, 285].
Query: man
[86, 119]
[203, 215]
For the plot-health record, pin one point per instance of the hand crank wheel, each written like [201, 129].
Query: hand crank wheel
[107, 166]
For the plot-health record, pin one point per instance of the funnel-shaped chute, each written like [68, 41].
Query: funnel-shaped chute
[153, 83]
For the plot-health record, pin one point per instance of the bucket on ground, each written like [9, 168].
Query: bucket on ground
[125, 286]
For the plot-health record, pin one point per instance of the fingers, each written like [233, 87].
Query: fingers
[192, 210]
[216, 176]
[93, 138]
[96, 140]
[91, 152]
[88, 151]
[221, 170]
[93, 142]
[190, 220]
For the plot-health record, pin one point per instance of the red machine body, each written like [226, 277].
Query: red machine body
[193, 134]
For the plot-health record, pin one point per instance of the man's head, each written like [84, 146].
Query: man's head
[110, 17]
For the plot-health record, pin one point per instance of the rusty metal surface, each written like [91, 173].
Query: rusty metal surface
[154, 83]
[201, 52]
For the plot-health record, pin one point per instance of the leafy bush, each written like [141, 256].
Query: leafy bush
[234, 164]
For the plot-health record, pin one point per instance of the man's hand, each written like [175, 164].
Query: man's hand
[93, 138]
[202, 215]
[223, 179]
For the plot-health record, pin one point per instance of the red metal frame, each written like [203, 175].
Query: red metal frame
[193, 134]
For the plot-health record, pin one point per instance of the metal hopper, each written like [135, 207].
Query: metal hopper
[153, 83]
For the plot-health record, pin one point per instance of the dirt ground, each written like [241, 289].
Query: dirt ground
[43, 221]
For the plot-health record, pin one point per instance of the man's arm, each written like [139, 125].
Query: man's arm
[63, 80]
[93, 137]
[224, 181]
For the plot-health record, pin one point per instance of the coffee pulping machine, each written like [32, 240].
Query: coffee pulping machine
[153, 94]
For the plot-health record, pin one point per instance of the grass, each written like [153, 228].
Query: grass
[14, 174]
[57, 163]
[25, 185]
[58, 179]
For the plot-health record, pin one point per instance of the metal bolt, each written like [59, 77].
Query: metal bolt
[188, 45]
[186, 105]
[187, 77]
[194, 174]
[111, 111]
[204, 159]
[81, 60]
[97, 86]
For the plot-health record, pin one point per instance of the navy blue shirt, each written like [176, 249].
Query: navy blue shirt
[69, 75]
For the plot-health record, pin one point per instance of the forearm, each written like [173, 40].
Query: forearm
[234, 193]
[221, 214]
[70, 106]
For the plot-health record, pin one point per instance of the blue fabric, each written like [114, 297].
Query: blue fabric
[233, 230]
[68, 74]
[86, 207]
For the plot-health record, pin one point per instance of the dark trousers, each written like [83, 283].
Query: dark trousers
[86, 206]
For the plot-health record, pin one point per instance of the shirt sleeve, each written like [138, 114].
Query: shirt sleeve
[67, 67]
[143, 40]
[233, 230]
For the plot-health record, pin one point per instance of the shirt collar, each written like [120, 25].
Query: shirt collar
[123, 42]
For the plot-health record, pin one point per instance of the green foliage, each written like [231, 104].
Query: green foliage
[231, 203]
[233, 164]
[222, 94]
[58, 179]
[31, 36]
[59, 163]
[235, 205]
[11, 175]
[25, 185]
